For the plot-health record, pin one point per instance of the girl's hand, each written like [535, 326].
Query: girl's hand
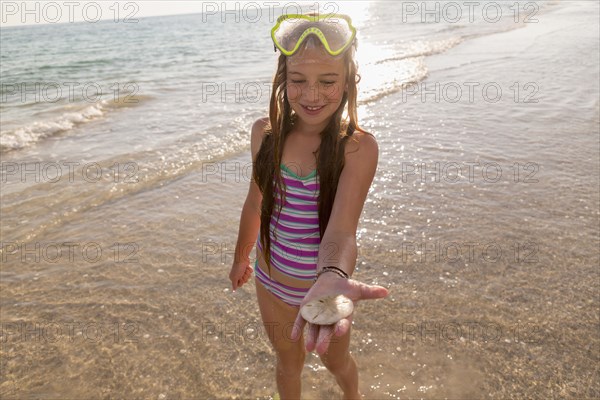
[331, 284]
[240, 273]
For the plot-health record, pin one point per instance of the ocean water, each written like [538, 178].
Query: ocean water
[120, 211]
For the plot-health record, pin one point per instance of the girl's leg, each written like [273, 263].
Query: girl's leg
[278, 318]
[342, 365]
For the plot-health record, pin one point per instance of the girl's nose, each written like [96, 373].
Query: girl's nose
[312, 94]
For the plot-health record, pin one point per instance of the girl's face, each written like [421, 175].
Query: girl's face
[315, 85]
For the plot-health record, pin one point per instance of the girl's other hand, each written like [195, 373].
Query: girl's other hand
[240, 273]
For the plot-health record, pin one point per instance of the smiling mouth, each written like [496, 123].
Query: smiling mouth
[309, 108]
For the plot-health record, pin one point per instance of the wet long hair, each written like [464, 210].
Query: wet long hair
[330, 155]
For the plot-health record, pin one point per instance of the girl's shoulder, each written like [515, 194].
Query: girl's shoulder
[257, 134]
[362, 142]
[259, 125]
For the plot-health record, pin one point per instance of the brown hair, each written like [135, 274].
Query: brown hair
[330, 154]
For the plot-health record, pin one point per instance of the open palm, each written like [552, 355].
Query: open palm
[319, 336]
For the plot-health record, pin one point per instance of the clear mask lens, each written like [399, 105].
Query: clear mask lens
[335, 33]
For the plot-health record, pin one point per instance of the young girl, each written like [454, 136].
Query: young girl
[312, 170]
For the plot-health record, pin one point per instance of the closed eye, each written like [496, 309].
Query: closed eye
[323, 82]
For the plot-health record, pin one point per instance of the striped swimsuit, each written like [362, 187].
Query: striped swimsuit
[295, 250]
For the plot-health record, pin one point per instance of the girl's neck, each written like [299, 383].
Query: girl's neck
[309, 130]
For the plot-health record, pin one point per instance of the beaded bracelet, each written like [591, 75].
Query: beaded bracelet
[331, 268]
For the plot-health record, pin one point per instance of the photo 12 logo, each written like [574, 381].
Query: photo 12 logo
[453, 12]
[470, 92]
[68, 332]
[470, 252]
[53, 12]
[240, 333]
[471, 171]
[68, 252]
[254, 11]
[474, 331]
[253, 92]
[71, 171]
[71, 92]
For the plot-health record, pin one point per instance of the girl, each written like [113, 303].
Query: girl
[311, 174]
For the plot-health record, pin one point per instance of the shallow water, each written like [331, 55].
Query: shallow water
[482, 220]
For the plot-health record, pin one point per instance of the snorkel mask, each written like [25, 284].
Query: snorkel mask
[335, 31]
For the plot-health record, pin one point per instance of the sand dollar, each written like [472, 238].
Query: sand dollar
[327, 310]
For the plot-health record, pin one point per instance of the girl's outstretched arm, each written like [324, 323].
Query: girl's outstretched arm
[241, 270]
[338, 246]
